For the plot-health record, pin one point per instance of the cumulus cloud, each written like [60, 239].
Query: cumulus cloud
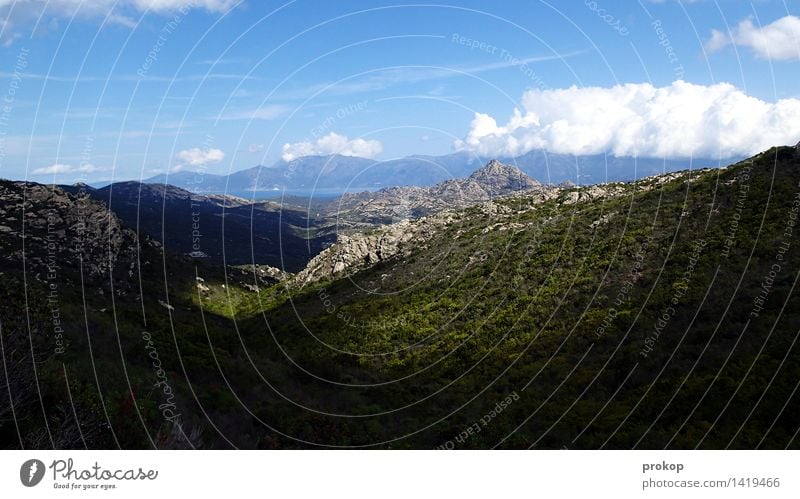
[195, 157]
[333, 143]
[777, 40]
[254, 148]
[718, 41]
[61, 168]
[638, 119]
[198, 157]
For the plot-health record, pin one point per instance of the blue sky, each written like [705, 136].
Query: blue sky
[100, 90]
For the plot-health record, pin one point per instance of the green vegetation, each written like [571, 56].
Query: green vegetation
[663, 316]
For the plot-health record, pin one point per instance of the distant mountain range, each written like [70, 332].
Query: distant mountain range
[353, 174]
[315, 173]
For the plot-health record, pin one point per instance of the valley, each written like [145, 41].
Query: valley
[655, 313]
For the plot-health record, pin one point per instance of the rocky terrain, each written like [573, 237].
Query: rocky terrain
[361, 250]
[47, 230]
[444, 205]
[393, 204]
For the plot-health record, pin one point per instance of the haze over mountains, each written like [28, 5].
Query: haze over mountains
[352, 174]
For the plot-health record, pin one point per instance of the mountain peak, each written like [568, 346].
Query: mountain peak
[495, 177]
[494, 166]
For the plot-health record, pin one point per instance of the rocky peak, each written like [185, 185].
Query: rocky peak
[493, 180]
[497, 170]
[492, 166]
[499, 179]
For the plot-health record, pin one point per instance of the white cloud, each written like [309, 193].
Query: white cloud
[254, 148]
[638, 119]
[333, 143]
[198, 157]
[778, 40]
[61, 168]
[172, 5]
[718, 41]
[16, 14]
[53, 169]
[105, 6]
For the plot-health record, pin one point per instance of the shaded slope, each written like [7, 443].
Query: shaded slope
[226, 229]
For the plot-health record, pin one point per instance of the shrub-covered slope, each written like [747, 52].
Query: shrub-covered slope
[656, 314]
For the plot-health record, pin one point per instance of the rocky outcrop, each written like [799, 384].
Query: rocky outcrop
[260, 274]
[497, 179]
[359, 251]
[591, 193]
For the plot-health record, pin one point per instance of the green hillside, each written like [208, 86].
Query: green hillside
[654, 314]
